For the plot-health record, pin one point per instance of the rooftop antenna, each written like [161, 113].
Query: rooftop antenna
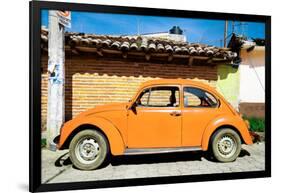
[241, 27]
[241, 30]
[185, 34]
[225, 33]
[81, 27]
[138, 26]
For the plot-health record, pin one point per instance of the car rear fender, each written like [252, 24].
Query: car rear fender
[113, 135]
[232, 122]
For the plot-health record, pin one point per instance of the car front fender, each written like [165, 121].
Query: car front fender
[113, 135]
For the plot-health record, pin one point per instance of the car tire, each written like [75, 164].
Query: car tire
[88, 149]
[225, 145]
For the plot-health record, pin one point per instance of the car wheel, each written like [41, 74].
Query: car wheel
[88, 149]
[225, 145]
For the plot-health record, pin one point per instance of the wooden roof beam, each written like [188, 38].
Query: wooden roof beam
[170, 57]
[74, 51]
[210, 60]
[125, 54]
[190, 61]
[99, 52]
[147, 56]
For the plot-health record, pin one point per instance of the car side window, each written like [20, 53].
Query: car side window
[162, 96]
[196, 97]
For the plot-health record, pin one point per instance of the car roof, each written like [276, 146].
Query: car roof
[175, 81]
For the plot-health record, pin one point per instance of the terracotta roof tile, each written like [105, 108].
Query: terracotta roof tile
[141, 44]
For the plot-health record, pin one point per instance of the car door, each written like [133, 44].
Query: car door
[199, 108]
[155, 119]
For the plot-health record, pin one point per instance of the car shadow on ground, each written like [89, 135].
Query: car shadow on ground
[165, 158]
[156, 158]
[64, 159]
[244, 153]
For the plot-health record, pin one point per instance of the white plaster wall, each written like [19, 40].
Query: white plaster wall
[252, 83]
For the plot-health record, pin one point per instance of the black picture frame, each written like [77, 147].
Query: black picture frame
[35, 94]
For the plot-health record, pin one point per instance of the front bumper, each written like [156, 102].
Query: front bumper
[53, 145]
[57, 139]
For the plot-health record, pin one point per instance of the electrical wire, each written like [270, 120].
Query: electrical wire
[256, 73]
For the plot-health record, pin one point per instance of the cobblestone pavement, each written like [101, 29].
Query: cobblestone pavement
[57, 167]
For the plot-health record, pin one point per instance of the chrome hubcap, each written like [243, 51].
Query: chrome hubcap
[227, 146]
[87, 150]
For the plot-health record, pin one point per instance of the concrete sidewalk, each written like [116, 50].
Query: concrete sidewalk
[57, 167]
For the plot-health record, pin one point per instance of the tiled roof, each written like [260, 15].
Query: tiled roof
[140, 45]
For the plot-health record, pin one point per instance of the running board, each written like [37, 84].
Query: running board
[138, 151]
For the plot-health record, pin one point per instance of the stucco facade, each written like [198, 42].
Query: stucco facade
[244, 87]
[252, 75]
[252, 81]
[228, 83]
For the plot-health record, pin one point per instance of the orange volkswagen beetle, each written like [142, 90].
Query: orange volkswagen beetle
[165, 115]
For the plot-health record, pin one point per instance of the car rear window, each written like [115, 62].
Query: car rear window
[196, 97]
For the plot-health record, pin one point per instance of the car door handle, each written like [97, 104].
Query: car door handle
[175, 113]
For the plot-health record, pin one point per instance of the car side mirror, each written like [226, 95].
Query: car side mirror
[133, 106]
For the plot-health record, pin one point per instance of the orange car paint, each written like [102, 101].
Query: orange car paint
[154, 127]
